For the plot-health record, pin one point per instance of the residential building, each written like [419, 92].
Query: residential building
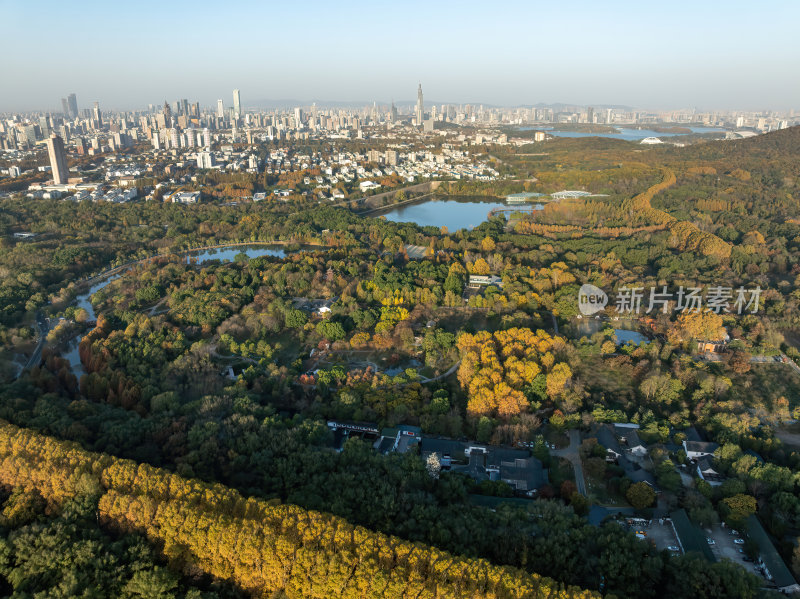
[206, 160]
[476, 281]
[515, 467]
[699, 449]
[706, 471]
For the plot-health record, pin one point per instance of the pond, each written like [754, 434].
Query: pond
[590, 326]
[452, 213]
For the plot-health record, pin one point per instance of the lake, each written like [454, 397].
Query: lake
[623, 133]
[452, 213]
[228, 254]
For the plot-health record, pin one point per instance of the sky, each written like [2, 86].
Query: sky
[703, 54]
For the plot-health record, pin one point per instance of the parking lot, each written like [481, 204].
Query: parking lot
[657, 532]
[724, 547]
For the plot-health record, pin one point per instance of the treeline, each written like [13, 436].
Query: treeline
[261, 547]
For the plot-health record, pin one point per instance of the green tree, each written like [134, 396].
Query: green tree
[640, 495]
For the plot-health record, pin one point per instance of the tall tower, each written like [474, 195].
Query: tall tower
[420, 112]
[58, 159]
[97, 116]
[220, 109]
[237, 103]
[65, 107]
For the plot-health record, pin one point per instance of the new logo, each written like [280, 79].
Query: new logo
[591, 299]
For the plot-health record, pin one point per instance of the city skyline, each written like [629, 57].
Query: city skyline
[677, 57]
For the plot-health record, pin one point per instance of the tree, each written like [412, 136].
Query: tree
[738, 508]
[640, 495]
[433, 465]
[330, 330]
[481, 267]
[487, 245]
[295, 319]
[705, 326]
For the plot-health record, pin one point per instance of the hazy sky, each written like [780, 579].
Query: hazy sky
[701, 53]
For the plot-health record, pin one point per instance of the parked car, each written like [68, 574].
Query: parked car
[739, 541]
[710, 541]
[674, 548]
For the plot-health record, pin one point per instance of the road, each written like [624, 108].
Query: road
[572, 454]
[36, 356]
[754, 360]
[444, 375]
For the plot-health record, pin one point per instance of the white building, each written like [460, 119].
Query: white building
[186, 197]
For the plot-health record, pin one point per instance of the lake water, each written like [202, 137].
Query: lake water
[451, 213]
[589, 326]
[623, 133]
[625, 336]
[223, 254]
[228, 254]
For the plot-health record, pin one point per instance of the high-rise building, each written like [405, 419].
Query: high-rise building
[207, 138]
[97, 115]
[237, 104]
[298, 118]
[65, 107]
[72, 101]
[220, 109]
[58, 159]
[206, 160]
[420, 111]
[44, 126]
[590, 115]
[167, 115]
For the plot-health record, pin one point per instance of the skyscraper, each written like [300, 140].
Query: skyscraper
[420, 112]
[220, 109]
[72, 101]
[65, 107]
[58, 159]
[167, 115]
[237, 104]
[97, 116]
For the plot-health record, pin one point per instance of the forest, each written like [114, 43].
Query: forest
[220, 376]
